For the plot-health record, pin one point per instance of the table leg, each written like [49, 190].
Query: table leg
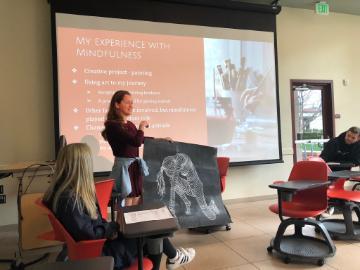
[140, 253]
[112, 207]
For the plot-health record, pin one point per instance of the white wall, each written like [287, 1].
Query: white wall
[309, 47]
[26, 110]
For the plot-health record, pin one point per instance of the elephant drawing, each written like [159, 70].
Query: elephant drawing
[184, 181]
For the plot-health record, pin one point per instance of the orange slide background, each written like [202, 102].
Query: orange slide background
[177, 75]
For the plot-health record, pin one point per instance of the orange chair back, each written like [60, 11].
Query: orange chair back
[77, 250]
[339, 183]
[103, 194]
[223, 165]
[320, 160]
[310, 170]
[55, 234]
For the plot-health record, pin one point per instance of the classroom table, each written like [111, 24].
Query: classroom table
[347, 174]
[340, 166]
[32, 179]
[154, 228]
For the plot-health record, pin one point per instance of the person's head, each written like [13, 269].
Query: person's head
[121, 106]
[352, 135]
[74, 174]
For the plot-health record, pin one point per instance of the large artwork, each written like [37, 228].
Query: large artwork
[185, 177]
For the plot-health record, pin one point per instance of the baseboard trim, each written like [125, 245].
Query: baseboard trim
[9, 228]
[250, 199]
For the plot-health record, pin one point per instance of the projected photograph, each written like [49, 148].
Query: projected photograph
[241, 98]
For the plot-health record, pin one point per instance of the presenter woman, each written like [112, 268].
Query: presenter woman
[125, 140]
[72, 198]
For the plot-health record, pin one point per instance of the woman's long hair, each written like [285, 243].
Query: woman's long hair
[74, 174]
[112, 114]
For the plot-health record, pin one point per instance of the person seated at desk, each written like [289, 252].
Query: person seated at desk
[343, 149]
[72, 198]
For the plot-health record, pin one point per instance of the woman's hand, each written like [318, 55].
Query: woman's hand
[143, 125]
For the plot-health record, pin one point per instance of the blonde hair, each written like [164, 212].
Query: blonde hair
[74, 173]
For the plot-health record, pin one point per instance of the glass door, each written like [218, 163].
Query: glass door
[309, 111]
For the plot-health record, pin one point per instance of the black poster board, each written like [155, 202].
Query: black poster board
[185, 177]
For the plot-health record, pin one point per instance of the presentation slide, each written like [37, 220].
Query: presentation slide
[195, 84]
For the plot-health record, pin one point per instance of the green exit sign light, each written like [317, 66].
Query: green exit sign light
[322, 8]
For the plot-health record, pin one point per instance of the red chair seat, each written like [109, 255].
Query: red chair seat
[342, 194]
[147, 265]
[296, 210]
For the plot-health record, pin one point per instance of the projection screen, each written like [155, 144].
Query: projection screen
[196, 84]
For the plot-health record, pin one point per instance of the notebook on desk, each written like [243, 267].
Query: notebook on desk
[160, 222]
[147, 215]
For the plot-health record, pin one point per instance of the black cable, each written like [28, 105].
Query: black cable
[35, 173]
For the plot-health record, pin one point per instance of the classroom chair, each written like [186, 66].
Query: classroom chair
[223, 166]
[103, 193]
[345, 201]
[82, 249]
[303, 206]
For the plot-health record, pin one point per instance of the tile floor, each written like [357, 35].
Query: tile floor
[241, 248]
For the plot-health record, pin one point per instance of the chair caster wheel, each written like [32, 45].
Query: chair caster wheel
[286, 260]
[320, 262]
[228, 228]
[269, 249]
[317, 230]
[208, 231]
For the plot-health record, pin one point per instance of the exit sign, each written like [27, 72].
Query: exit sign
[322, 8]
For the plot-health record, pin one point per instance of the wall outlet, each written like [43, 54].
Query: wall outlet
[2, 199]
[1, 189]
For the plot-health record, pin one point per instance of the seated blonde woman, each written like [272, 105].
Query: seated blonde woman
[71, 196]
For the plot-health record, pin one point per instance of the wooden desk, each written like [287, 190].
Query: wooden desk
[140, 230]
[100, 263]
[31, 183]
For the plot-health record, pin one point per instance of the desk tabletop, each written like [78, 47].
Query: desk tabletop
[340, 165]
[99, 263]
[298, 185]
[344, 174]
[147, 228]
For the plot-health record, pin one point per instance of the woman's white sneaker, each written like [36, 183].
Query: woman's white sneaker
[183, 256]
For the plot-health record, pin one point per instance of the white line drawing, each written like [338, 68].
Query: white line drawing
[184, 181]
